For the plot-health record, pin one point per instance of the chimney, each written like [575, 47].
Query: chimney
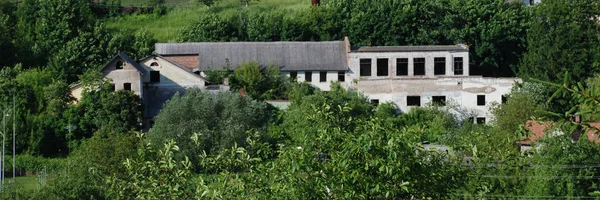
[316, 2]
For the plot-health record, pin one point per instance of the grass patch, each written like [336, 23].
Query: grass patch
[26, 183]
[168, 3]
[166, 28]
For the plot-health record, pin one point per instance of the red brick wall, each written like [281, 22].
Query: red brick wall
[189, 61]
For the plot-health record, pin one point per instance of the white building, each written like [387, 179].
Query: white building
[412, 76]
[407, 76]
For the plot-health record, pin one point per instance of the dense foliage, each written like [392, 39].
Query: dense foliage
[327, 144]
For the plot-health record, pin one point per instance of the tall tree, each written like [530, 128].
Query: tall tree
[563, 37]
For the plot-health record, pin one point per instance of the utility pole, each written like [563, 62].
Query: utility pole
[14, 126]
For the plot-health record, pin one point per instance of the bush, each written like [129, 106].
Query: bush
[220, 120]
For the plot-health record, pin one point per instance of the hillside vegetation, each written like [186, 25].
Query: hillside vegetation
[183, 12]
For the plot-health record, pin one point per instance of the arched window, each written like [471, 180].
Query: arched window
[154, 64]
[119, 65]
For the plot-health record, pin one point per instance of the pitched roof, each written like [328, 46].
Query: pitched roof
[181, 67]
[128, 59]
[290, 56]
[411, 48]
[539, 129]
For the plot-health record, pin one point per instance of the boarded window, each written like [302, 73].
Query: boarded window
[127, 86]
[458, 66]
[413, 101]
[323, 76]
[308, 77]
[382, 67]
[154, 76]
[402, 67]
[294, 75]
[119, 64]
[439, 66]
[365, 67]
[481, 100]
[480, 120]
[419, 66]
[341, 76]
[438, 100]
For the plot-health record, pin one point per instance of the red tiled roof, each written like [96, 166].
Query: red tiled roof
[538, 130]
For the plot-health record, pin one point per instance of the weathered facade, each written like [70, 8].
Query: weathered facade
[407, 76]
[155, 79]
[412, 76]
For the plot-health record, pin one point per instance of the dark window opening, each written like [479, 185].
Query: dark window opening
[154, 64]
[127, 86]
[119, 65]
[365, 67]
[480, 120]
[375, 102]
[481, 100]
[439, 100]
[197, 73]
[294, 75]
[308, 77]
[341, 76]
[504, 99]
[154, 76]
[439, 66]
[322, 76]
[458, 66]
[419, 66]
[413, 101]
[112, 87]
[382, 67]
[402, 67]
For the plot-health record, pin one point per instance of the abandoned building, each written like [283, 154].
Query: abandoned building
[407, 76]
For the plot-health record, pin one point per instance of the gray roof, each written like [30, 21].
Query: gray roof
[290, 56]
[411, 48]
[128, 59]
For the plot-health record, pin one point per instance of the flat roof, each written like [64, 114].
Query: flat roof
[410, 48]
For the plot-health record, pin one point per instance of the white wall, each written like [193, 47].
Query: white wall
[354, 63]
[316, 78]
[460, 90]
[170, 75]
[128, 74]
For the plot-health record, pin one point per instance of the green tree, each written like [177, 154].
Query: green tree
[220, 120]
[563, 38]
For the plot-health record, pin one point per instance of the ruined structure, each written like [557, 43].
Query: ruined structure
[407, 76]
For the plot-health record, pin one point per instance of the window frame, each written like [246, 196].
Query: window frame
[459, 66]
[341, 76]
[481, 100]
[127, 86]
[439, 62]
[323, 76]
[155, 76]
[294, 74]
[438, 100]
[413, 101]
[417, 64]
[308, 76]
[480, 120]
[380, 65]
[401, 63]
[365, 67]
[119, 64]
